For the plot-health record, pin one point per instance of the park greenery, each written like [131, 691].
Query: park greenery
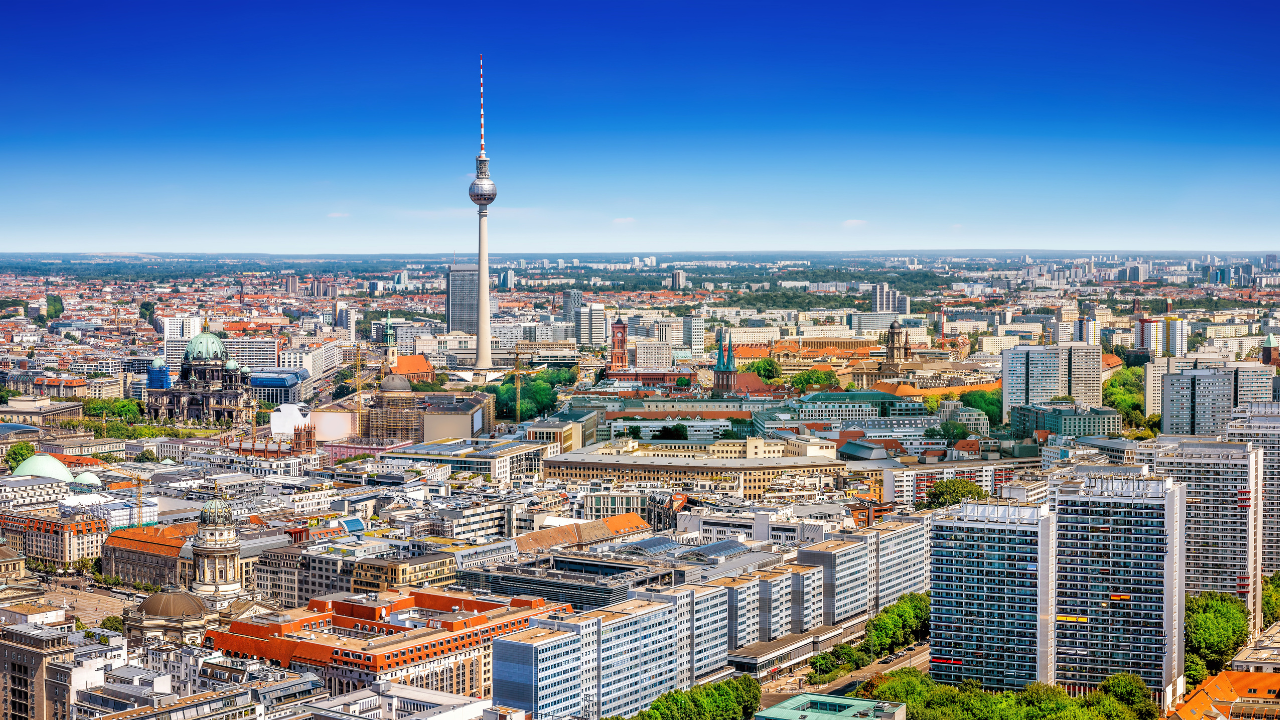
[1120, 697]
[990, 402]
[734, 699]
[119, 429]
[146, 455]
[537, 392]
[1123, 391]
[126, 409]
[114, 623]
[904, 622]
[946, 493]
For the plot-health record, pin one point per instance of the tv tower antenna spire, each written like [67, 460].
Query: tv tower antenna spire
[483, 192]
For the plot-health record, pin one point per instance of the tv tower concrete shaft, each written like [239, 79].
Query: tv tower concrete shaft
[483, 192]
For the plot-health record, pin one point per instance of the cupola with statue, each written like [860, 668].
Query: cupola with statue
[212, 386]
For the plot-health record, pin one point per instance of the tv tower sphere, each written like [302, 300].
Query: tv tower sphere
[482, 190]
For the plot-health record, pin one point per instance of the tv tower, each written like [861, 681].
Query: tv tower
[483, 192]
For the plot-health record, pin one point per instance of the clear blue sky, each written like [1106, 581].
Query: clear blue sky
[642, 126]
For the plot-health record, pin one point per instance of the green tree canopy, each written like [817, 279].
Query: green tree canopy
[17, 453]
[990, 402]
[804, 378]
[1217, 626]
[950, 492]
[146, 456]
[112, 622]
[766, 368]
[679, 431]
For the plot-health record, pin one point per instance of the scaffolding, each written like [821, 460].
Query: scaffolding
[395, 415]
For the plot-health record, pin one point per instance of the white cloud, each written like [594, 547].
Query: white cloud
[623, 221]
[339, 214]
[853, 223]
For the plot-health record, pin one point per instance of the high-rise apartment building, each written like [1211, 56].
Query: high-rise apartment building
[1250, 382]
[1176, 332]
[1223, 485]
[1148, 334]
[887, 300]
[1087, 331]
[993, 594]
[1154, 372]
[679, 279]
[1196, 402]
[1118, 548]
[1259, 425]
[462, 286]
[1034, 374]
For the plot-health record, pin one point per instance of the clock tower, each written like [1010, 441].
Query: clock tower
[618, 345]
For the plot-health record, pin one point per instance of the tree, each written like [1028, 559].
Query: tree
[950, 430]
[682, 382]
[69, 336]
[18, 452]
[679, 431]
[1217, 625]
[1132, 692]
[1195, 670]
[1062, 398]
[766, 368]
[342, 391]
[805, 378]
[634, 432]
[113, 623]
[990, 402]
[950, 492]
[146, 456]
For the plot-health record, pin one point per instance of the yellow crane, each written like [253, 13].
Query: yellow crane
[519, 373]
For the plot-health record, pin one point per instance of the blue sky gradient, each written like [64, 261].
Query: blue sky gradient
[331, 127]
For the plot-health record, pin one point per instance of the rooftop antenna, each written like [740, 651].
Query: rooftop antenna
[482, 104]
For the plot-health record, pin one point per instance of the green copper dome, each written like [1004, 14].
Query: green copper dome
[157, 363]
[43, 465]
[233, 365]
[205, 346]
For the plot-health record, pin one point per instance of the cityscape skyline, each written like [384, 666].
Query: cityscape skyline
[1090, 127]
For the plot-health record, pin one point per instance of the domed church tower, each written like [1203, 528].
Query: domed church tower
[215, 553]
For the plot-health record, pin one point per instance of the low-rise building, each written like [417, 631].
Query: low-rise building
[1064, 420]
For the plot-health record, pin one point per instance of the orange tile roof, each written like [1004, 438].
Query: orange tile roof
[968, 446]
[899, 389]
[959, 389]
[1109, 361]
[412, 364]
[155, 540]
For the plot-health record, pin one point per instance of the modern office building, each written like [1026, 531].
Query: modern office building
[806, 596]
[1035, 374]
[744, 608]
[1223, 485]
[702, 629]
[993, 595]
[1196, 402]
[1064, 420]
[1118, 547]
[626, 656]
[463, 298]
[590, 325]
[845, 581]
[694, 333]
[775, 604]
[570, 301]
[1087, 331]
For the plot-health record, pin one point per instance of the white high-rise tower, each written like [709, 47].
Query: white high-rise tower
[483, 192]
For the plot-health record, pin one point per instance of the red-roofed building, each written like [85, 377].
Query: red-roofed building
[1231, 694]
[433, 639]
[415, 368]
[146, 554]
[1110, 364]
